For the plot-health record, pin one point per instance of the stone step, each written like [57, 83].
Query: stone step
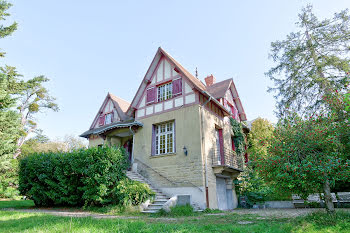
[156, 201]
[150, 207]
[160, 198]
[149, 211]
[155, 204]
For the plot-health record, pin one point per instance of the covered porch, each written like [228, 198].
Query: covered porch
[116, 134]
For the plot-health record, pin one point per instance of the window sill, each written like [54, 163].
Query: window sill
[162, 155]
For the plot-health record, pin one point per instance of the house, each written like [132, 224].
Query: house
[177, 132]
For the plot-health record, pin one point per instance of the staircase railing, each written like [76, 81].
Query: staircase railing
[176, 183]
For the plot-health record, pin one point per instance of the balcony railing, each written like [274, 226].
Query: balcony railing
[227, 158]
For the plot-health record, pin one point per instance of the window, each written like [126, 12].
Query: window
[164, 138]
[165, 91]
[219, 150]
[108, 118]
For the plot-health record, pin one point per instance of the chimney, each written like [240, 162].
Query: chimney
[210, 80]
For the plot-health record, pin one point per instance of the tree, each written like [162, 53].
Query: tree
[306, 156]
[311, 62]
[260, 134]
[5, 30]
[40, 143]
[34, 98]
[9, 119]
[310, 155]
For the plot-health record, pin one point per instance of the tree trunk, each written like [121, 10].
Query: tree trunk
[328, 197]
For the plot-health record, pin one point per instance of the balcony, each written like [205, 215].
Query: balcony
[227, 161]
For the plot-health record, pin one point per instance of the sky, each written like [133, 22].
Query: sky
[89, 48]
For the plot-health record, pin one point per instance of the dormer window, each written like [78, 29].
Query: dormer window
[108, 118]
[165, 91]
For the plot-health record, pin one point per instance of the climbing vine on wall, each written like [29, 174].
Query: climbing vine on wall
[238, 137]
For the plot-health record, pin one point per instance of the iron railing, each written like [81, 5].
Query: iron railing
[227, 158]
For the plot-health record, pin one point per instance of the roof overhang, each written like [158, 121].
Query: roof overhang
[106, 128]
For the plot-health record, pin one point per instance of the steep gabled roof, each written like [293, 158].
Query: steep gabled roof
[123, 104]
[218, 90]
[147, 79]
[120, 105]
[215, 91]
[195, 81]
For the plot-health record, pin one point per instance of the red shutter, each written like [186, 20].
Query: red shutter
[225, 103]
[221, 141]
[177, 87]
[151, 95]
[102, 120]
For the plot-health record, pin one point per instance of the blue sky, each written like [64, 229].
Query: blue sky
[89, 48]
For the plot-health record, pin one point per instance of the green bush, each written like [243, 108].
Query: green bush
[177, 211]
[252, 186]
[9, 178]
[86, 177]
[130, 192]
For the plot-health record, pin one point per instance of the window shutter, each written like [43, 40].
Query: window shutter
[102, 120]
[151, 95]
[177, 87]
[153, 149]
[221, 141]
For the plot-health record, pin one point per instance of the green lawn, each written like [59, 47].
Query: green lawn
[15, 221]
[16, 204]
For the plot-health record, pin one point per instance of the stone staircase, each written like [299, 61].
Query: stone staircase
[160, 198]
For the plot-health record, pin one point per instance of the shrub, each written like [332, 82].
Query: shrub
[130, 192]
[178, 210]
[86, 177]
[9, 178]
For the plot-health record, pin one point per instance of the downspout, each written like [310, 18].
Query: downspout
[132, 150]
[205, 157]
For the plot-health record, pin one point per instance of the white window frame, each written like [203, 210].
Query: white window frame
[106, 117]
[163, 133]
[165, 92]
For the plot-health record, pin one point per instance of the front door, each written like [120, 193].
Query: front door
[221, 193]
[128, 147]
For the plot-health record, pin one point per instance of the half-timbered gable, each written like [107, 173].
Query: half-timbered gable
[113, 109]
[166, 91]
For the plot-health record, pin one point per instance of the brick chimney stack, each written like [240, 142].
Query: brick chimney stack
[210, 80]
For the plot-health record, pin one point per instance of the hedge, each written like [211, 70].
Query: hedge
[86, 177]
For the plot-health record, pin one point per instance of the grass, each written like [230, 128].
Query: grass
[33, 222]
[16, 204]
[12, 221]
[181, 219]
